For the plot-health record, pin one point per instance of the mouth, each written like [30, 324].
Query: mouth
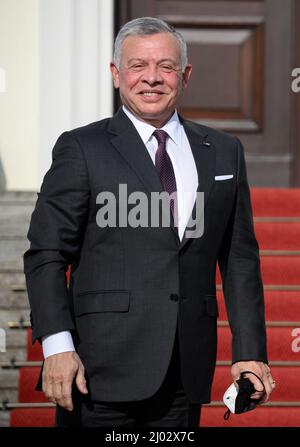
[151, 96]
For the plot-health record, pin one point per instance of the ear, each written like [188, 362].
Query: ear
[115, 74]
[186, 75]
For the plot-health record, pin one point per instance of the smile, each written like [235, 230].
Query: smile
[151, 93]
[151, 97]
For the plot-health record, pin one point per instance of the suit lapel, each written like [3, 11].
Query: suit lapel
[131, 147]
[205, 159]
[129, 144]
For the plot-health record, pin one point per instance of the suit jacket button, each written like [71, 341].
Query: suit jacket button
[174, 297]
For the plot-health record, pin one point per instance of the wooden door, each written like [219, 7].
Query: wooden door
[243, 53]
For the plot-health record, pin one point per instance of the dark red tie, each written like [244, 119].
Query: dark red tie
[164, 165]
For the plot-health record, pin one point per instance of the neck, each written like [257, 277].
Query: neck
[155, 122]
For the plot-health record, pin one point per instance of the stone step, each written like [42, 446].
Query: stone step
[11, 279]
[11, 255]
[4, 419]
[7, 315]
[18, 301]
[15, 353]
[13, 293]
[14, 220]
[16, 338]
[16, 342]
[15, 213]
[18, 197]
[9, 381]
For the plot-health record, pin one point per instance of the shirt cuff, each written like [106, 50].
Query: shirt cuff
[57, 343]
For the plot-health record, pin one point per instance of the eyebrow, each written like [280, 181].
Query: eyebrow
[159, 62]
[135, 60]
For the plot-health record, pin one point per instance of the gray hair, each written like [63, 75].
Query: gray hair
[144, 26]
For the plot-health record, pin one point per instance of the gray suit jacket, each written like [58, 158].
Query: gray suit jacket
[130, 287]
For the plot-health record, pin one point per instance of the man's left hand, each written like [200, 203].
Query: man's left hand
[262, 370]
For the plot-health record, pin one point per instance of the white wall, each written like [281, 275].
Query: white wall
[19, 38]
[55, 54]
[75, 84]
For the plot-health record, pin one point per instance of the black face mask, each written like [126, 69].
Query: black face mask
[243, 401]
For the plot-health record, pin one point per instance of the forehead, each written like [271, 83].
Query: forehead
[162, 45]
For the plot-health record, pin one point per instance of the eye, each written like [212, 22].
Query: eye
[136, 67]
[166, 68]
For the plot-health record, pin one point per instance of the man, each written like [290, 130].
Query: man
[133, 339]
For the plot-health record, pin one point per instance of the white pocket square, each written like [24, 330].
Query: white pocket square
[223, 177]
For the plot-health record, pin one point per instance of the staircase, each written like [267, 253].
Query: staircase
[277, 225]
[15, 212]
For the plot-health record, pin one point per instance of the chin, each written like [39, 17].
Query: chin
[154, 112]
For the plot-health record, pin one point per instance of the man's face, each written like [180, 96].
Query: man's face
[150, 78]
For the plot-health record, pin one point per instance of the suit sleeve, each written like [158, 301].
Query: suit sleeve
[241, 275]
[55, 234]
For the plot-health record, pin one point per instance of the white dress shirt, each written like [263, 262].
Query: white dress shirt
[186, 176]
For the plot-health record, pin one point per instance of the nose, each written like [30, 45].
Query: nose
[152, 75]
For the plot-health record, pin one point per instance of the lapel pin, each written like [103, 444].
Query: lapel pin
[206, 143]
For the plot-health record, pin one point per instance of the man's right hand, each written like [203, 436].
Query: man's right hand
[58, 374]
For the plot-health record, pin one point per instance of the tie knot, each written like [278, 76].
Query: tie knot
[161, 136]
